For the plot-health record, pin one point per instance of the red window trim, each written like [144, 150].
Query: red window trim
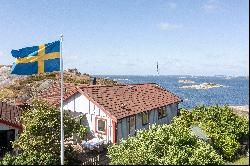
[114, 125]
[105, 130]
[7, 123]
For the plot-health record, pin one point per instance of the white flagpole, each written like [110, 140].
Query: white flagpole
[62, 131]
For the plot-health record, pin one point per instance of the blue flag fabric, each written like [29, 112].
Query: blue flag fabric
[37, 59]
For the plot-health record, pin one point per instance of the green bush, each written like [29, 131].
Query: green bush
[7, 160]
[226, 130]
[39, 142]
[71, 156]
[167, 144]
[82, 131]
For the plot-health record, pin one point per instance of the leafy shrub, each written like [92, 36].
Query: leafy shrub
[71, 156]
[226, 130]
[82, 131]
[7, 160]
[167, 144]
[39, 142]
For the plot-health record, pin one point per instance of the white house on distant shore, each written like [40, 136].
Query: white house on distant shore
[117, 111]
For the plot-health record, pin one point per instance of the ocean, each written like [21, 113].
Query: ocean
[235, 90]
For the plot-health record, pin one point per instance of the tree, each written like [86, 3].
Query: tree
[39, 142]
[163, 144]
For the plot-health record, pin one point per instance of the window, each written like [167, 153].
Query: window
[144, 118]
[162, 112]
[101, 125]
[131, 125]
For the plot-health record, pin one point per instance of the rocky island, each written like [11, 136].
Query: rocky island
[202, 86]
[186, 81]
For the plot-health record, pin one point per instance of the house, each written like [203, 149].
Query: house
[9, 125]
[115, 112]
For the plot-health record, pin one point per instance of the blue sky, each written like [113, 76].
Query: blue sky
[193, 37]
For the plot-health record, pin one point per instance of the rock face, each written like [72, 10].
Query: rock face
[202, 86]
[6, 78]
[241, 110]
[17, 90]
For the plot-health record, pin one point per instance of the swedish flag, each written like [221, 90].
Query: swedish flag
[37, 59]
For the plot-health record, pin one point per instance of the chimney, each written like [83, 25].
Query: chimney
[93, 80]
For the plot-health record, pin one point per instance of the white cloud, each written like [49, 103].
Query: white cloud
[211, 6]
[172, 5]
[169, 26]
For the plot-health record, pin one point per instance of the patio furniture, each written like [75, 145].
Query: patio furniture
[93, 144]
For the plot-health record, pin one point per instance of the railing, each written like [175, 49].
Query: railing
[100, 159]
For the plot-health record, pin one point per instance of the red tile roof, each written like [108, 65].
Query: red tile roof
[10, 115]
[125, 100]
[53, 94]
[118, 100]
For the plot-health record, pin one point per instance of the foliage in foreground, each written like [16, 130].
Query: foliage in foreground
[166, 144]
[39, 142]
[226, 130]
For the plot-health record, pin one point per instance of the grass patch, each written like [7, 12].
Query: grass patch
[244, 160]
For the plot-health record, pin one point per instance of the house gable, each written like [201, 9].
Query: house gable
[80, 103]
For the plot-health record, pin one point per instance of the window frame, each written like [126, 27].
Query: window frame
[96, 126]
[163, 111]
[147, 114]
[129, 123]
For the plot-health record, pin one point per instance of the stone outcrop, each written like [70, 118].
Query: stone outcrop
[202, 86]
[186, 81]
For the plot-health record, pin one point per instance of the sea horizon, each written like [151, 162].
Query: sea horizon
[188, 75]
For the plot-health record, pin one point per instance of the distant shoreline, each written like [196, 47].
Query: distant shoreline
[242, 108]
[174, 75]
